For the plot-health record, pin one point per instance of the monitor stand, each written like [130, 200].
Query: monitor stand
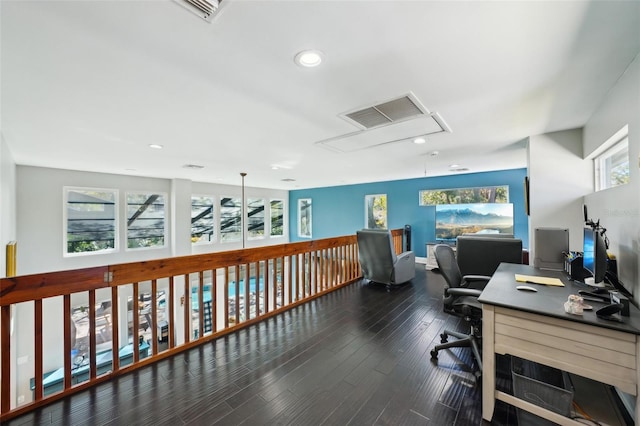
[592, 282]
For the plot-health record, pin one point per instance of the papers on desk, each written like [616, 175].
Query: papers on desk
[532, 279]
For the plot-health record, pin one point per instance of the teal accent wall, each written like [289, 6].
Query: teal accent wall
[339, 210]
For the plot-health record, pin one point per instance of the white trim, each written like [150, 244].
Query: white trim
[65, 201]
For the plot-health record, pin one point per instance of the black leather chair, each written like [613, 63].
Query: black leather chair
[379, 261]
[461, 300]
[480, 254]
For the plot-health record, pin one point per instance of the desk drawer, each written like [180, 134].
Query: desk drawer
[604, 355]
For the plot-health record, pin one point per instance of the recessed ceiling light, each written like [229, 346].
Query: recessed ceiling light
[454, 166]
[275, 167]
[419, 140]
[155, 146]
[434, 153]
[308, 58]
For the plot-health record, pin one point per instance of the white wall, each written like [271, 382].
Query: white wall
[619, 208]
[559, 178]
[40, 226]
[7, 201]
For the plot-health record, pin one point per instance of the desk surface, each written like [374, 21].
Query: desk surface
[548, 300]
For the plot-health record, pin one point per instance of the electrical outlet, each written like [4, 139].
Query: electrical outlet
[20, 399]
[23, 359]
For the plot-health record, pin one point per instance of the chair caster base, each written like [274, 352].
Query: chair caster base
[434, 354]
[444, 338]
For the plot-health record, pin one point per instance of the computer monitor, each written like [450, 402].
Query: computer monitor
[594, 257]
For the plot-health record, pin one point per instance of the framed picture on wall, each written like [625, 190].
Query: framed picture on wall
[304, 218]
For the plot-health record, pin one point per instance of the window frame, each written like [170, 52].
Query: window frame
[165, 219]
[214, 238]
[65, 221]
[264, 226]
[616, 144]
[240, 215]
[271, 217]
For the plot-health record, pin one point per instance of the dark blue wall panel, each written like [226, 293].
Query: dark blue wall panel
[339, 210]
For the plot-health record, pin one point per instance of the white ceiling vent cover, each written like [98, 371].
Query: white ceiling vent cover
[389, 112]
[206, 9]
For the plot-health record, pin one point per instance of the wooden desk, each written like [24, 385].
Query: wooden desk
[534, 326]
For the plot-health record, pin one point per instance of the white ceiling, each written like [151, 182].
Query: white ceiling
[88, 85]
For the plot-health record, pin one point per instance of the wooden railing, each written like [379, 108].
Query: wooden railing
[147, 311]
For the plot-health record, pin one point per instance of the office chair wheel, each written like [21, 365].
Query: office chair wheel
[434, 354]
[444, 338]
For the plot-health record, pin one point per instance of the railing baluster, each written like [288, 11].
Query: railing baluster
[115, 334]
[154, 316]
[226, 297]
[5, 369]
[93, 370]
[172, 312]
[200, 304]
[66, 323]
[135, 314]
[247, 292]
[214, 300]
[39, 350]
[186, 310]
[236, 279]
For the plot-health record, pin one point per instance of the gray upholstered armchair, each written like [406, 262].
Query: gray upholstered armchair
[379, 261]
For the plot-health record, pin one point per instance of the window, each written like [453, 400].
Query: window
[487, 194]
[230, 219]
[202, 220]
[145, 220]
[91, 220]
[255, 218]
[375, 211]
[277, 218]
[612, 165]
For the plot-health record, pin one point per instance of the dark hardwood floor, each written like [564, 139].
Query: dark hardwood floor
[358, 356]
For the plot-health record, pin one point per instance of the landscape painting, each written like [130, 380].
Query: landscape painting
[453, 220]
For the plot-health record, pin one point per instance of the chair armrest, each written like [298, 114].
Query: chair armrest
[407, 254]
[476, 278]
[458, 291]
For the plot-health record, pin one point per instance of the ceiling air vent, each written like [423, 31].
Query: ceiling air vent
[392, 111]
[206, 9]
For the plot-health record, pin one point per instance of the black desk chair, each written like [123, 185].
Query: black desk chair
[461, 300]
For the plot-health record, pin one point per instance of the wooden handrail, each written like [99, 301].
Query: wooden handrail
[263, 281]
